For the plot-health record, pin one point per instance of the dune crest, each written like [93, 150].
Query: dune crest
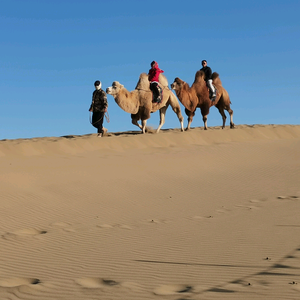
[134, 140]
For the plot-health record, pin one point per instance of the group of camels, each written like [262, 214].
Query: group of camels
[139, 101]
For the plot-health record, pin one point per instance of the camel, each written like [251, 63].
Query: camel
[139, 101]
[198, 96]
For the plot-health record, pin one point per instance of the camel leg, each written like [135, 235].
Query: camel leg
[135, 122]
[221, 111]
[204, 118]
[204, 112]
[190, 118]
[144, 122]
[230, 111]
[177, 111]
[162, 113]
[176, 108]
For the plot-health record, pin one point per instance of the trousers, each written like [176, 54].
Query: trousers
[97, 120]
[154, 89]
[210, 85]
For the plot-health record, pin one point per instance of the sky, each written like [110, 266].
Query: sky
[52, 52]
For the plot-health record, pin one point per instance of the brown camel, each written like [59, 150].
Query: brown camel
[139, 101]
[198, 96]
[222, 101]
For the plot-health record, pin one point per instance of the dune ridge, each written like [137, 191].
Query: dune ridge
[134, 140]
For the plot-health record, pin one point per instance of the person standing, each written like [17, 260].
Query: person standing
[98, 107]
[153, 78]
[207, 71]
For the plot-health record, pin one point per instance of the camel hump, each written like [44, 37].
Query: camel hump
[200, 75]
[143, 82]
[163, 80]
[216, 78]
[214, 75]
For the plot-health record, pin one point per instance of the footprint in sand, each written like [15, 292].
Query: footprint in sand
[247, 207]
[15, 282]
[198, 218]
[101, 283]
[173, 289]
[157, 221]
[107, 226]
[254, 204]
[124, 227]
[131, 286]
[95, 283]
[23, 233]
[223, 210]
[30, 231]
[288, 197]
[295, 285]
[64, 226]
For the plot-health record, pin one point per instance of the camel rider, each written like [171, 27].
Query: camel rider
[207, 70]
[153, 78]
[98, 107]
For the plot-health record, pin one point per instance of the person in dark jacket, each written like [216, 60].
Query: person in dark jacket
[153, 78]
[98, 107]
[207, 70]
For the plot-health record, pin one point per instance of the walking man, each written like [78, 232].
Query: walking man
[98, 107]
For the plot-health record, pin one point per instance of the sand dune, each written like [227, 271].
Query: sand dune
[195, 215]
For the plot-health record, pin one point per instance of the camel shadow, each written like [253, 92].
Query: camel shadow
[196, 264]
[282, 267]
[68, 136]
[126, 133]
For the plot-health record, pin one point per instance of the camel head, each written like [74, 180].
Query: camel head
[177, 84]
[114, 89]
[128, 101]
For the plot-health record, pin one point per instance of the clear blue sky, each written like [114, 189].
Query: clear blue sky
[51, 52]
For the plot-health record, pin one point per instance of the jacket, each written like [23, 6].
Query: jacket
[99, 102]
[207, 71]
[154, 73]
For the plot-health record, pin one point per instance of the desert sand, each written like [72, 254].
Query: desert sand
[177, 215]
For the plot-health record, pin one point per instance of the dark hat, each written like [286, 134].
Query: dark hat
[97, 82]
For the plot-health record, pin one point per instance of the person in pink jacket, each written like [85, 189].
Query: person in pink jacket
[153, 78]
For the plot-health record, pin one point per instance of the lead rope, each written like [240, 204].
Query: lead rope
[106, 117]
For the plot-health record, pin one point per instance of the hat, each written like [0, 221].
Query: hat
[97, 82]
[153, 63]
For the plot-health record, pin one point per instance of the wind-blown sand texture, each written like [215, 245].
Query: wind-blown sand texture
[195, 215]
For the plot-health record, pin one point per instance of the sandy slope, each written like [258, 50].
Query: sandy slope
[196, 215]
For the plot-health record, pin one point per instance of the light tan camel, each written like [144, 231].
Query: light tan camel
[139, 101]
[198, 96]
